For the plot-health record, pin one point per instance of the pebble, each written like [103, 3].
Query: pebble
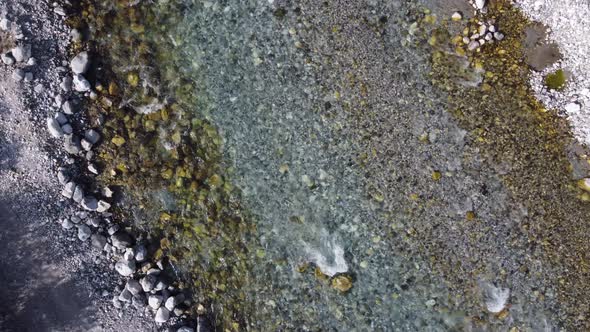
[32, 61]
[87, 146]
[61, 118]
[125, 295]
[84, 232]
[92, 136]
[107, 192]
[81, 84]
[75, 35]
[112, 230]
[80, 63]
[171, 303]
[148, 282]
[21, 53]
[139, 301]
[18, 75]
[473, 45]
[573, 107]
[62, 176]
[4, 24]
[39, 88]
[456, 16]
[66, 84]
[133, 286]
[72, 144]
[68, 107]
[480, 4]
[161, 285]
[7, 58]
[94, 170]
[98, 241]
[498, 35]
[121, 240]
[140, 253]
[125, 268]
[59, 100]
[28, 77]
[155, 301]
[78, 194]
[68, 190]
[95, 222]
[162, 315]
[67, 129]
[116, 303]
[59, 10]
[185, 329]
[54, 128]
[90, 203]
[67, 224]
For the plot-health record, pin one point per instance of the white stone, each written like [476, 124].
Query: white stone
[573, 108]
[80, 63]
[21, 53]
[81, 84]
[479, 4]
[54, 127]
[125, 268]
[155, 301]
[162, 315]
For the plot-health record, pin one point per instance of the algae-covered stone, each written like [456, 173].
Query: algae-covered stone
[118, 140]
[556, 80]
[342, 283]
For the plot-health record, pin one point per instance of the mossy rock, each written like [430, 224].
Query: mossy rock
[556, 80]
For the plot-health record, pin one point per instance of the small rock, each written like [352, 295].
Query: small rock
[68, 190]
[28, 77]
[113, 229]
[139, 301]
[61, 118]
[81, 84]
[456, 16]
[133, 286]
[140, 253]
[107, 192]
[153, 271]
[21, 53]
[162, 315]
[498, 35]
[66, 84]
[62, 176]
[430, 303]
[67, 224]
[116, 303]
[94, 170]
[72, 144]
[84, 232]
[87, 146]
[54, 128]
[473, 45]
[121, 240]
[4, 24]
[98, 241]
[18, 75]
[32, 61]
[59, 10]
[148, 282]
[128, 255]
[80, 63]
[67, 129]
[92, 136]
[78, 194]
[75, 35]
[185, 329]
[90, 203]
[573, 108]
[482, 30]
[171, 303]
[160, 285]
[155, 301]
[7, 58]
[178, 312]
[492, 28]
[125, 295]
[39, 88]
[125, 268]
[68, 107]
[480, 4]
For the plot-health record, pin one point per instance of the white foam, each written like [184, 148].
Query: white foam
[330, 268]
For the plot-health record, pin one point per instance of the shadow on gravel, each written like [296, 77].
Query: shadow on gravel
[34, 295]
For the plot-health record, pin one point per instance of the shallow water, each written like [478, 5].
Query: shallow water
[347, 161]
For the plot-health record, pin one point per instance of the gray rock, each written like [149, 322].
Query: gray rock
[160, 285]
[80, 63]
[92, 136]
[121, 240]
[140, 253]
[95, 222]
[112, 230]
[498, 35]
[125, 295]
[84, 232]
[148, 282]
[185, 329]
[61, 118]
[98, 241]
[178, 312]
[128, 255]
[72, 144]
[54, 127]
[162, 315]
[7, 58]
[81, 84]
[59, 100]
[28, 77]
[155, 301]
[59, 10]
[18, 75]
[107, 192]
[67, 129]
[21, 53]
[67, 224]
[39, 88]
[139, 301]
[68, 190]
[75, 219]
[68, 107]
[116, 303]
[171, 303]
[90, 203]
[94, 170]
[125, 268]
[133, 286]
[32, 61]
[78, 194]
[66, 84]
[62, 176]
[102, 205]
[87, 146]
[5, 24]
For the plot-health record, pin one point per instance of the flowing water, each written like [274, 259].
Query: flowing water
[345, 157]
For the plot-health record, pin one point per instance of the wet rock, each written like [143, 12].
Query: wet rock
[148, 282]
[84, 232]
[31, 62]
[155, 301]
[498, 35]
[480, 4]
[133, 286]
[90, 203]
[95, 222]
[21, 53]
[342, 283]
[162, 315]
[7, 58]
[116, 303]
[68, 190]
[80, 63]
[98, 241]
[54, 128]
[121, 240]
[72, 144]
[125, 268]
[81, 84]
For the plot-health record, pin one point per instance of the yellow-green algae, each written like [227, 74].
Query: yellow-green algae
[173, 149]
[511, 127]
